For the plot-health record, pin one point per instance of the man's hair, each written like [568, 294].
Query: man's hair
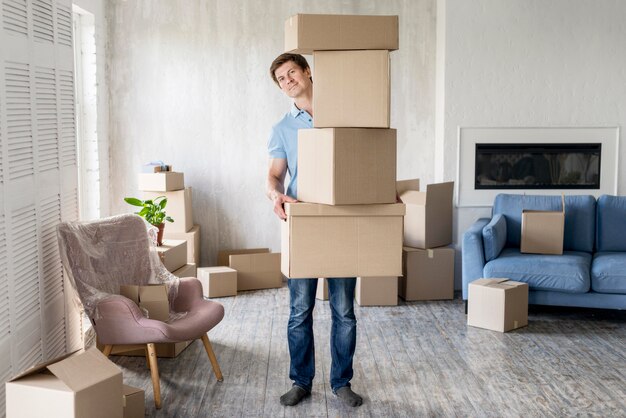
[298, 59]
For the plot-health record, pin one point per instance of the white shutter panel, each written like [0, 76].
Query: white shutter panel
[68, 124]
[47, 123]
[43, 29]
[15, 17]
[64, 25]
[19, 124]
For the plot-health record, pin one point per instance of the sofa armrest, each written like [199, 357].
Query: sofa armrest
[473, 253]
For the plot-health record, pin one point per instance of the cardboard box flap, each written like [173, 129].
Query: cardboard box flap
[413, 197]
[440, 191]
[129, 390]
[84, 370]
[308, 209]
[406, 185]
[38, 367]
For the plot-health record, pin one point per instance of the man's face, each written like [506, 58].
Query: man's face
[292, 79]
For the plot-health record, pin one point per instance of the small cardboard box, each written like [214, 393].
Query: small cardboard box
[376, 291]
[134, 402]
[322, 289]
[152, 297]
[193, 241]
[542, 231]
[497, 304]
[218, 282]
[164, 181]
[163, 350]
[305, 33]
[257, 271]
[342, 241]
[224, 255]
[84, 384]
[173, 254]
[188, 270]
[427, 274]
[351, 89]
[347, 166]
[178, 207]
[428, 219]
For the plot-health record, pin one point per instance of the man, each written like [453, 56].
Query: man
[292, 74]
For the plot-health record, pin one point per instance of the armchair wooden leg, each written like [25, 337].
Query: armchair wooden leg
[107, 350]
[211, 354]
[154, 371]
[147, 358]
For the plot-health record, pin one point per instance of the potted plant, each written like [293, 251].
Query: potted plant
[153, 211]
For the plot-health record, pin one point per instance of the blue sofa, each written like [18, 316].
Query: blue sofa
[591, 272]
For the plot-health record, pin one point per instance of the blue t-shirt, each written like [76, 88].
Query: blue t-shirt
[283, 143]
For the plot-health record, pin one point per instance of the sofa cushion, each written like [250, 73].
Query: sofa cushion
[611, 223]
[494, 236]
[608, 272]
[564, 273]
[580, 217]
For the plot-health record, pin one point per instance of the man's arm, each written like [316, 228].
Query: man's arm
[275, 189]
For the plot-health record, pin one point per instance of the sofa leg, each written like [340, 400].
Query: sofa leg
[465, 306]
[154, 372]
[212, 358]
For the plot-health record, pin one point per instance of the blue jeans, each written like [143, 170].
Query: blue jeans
[342, 334]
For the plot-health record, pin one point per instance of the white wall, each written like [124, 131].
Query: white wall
[189, 84]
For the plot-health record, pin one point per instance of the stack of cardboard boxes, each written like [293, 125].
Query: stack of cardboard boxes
[348, 224]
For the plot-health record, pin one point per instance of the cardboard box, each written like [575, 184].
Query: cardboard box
[224, 255]
[152, 297]
[163, 350]
[351, 89]
[164, 181]
[542, 231]
[134, 402]
[193, 242]
[322, 289]
[84, 384]
[257, 271]
[342, 241]
[427, 274]
[188, 270]
[428, 219]
[347, 166]
[497, 304]
[178, 207]
[305, 33]
[173, 254]
[376, 291]
[218, 282]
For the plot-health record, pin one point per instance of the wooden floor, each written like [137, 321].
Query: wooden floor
[416, 359]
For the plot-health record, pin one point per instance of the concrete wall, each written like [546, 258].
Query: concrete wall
[189, 84]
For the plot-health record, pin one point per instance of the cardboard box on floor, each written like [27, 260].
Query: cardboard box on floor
[322, 289]
[351, 89]
[257, 271]
[428, 219]
[427, 274]
[193, 241]
[345, 166]
[218, 281]
[223, 255]
[173, 254]
[164, 181]
[178, 207]
[542, 231]
[341, 241]
[188, 270]
[376, 291]
[163, 350]
[497, 304]
[134, 402]
[83, 384]
[305, 33]
[152, 297]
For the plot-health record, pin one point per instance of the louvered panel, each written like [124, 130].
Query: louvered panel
[15, 16]
[18, 118]
[5, 323]
[1, 159]
[43, 27]
[31, 357]
[64, 26]
[5, 374]
[46, 115]
[55, 340]
[50, 217]
[25, 265]
[68, 125]
[69, 206]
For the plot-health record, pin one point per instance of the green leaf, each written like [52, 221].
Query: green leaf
[133, 201]
[163, 203]
[169, 219]
[143, 212]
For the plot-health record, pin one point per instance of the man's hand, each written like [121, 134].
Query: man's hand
[279, 199]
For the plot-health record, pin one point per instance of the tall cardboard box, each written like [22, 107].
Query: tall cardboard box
[83, 385]
[178, 207]
[152, 298]
[322, 289]
[257, 271]
[164, 181]
[351, 89]
[218, 281]
[341, 241]
[427, 274]
[347, 166]
[193, 241]
[173, 254]
[542, 231]
[134, 402]
[188, 270]
[305, 33]
[497, 304]
[376, 291]
[223, 256]
[428, 219]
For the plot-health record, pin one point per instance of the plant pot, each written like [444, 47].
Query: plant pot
[161, 227]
